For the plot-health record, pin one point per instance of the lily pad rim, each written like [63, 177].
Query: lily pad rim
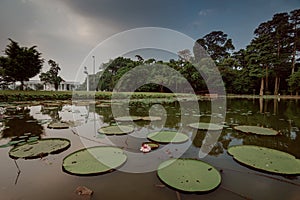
[95, 173]
[260, 169]
[43, 154]
[191, 192]
[112, 134]
[263, 128]
[219, 127]
[168, 142]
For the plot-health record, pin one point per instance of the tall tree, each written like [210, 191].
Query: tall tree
[21, 63]
[51, 76]
[260, 58]
[295, 34]
[281, 38]
[294, 82]
[217, 45]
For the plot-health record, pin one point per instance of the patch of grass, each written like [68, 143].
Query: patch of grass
[16, 95]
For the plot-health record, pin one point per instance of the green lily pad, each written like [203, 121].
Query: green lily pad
[128, 118]
[153, 145]
[58, 125]
[256, 130]
[266, 159]
[189, 175]
[168, 137]
[206, 126]
[94, 160]
[40, 148]
[151, 118]
[116, 130]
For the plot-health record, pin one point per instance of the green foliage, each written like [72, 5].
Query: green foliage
[294, 82]
[216, 44]
[52, 76]
[20, 63]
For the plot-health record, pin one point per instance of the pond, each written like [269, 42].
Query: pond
[44, 177]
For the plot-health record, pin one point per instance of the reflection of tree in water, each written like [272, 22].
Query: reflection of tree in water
[21, 122]
[219, 147]
[53, 112]
[105, 112]
[281, 142]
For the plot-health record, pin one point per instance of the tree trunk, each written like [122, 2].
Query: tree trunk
[267, 79]
[261, 104]
[22, 85]
[276, 86]
[294, 59]
[261, 91]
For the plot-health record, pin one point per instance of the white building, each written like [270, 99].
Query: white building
[63, 86]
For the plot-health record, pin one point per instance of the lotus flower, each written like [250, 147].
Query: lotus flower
[145, 148]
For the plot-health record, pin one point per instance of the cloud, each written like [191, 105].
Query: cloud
[205, 12]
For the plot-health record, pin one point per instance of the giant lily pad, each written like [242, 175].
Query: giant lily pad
[128, 118]
[94, 160]
[206, 126]
[168, 137]
[58, 125]
[116, 130]
[189, 175]
[151, 118]
[256, 130]
[39, 148]
[266, 159]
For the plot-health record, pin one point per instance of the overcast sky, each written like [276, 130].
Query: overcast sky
[67, 30]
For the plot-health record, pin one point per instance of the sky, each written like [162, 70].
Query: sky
[66, 31]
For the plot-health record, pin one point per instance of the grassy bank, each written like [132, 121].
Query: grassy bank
[16, 95]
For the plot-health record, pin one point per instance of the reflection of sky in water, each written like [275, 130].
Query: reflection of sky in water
[281, 116]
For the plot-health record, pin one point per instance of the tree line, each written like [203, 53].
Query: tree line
[268, 65]
[22, 63]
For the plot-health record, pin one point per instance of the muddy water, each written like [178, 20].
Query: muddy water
[44, 178]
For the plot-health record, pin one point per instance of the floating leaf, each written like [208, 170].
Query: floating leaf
[94, 160]
[256, 130]
[168, 137]
[58, 125]
[128, 118]
[151, 118]
[206, 126]
[116, 130]
[266, 159]
[39, 148]
[189, 175]
[153, 145]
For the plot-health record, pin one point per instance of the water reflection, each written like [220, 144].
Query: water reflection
[52, 111]
[20, 123]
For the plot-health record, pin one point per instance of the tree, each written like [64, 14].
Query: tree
[295, 35]
[280, 33]
[52, 76]
[185, 54]
[21, 63]
[216, 44]
[294, 82]
[4, 79]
